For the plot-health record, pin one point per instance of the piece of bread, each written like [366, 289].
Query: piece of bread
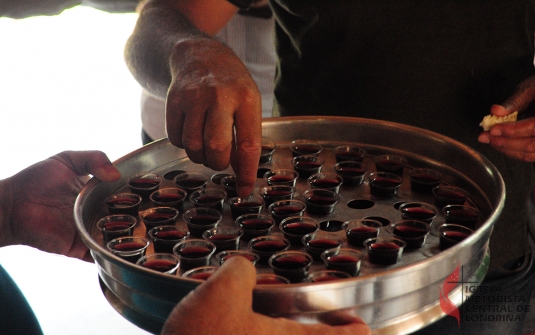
[491, 120]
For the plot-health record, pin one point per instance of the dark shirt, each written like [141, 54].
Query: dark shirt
[433, 64]
[16, 316]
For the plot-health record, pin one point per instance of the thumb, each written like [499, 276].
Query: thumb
[90, 162]
[522, 97]
[222, 302]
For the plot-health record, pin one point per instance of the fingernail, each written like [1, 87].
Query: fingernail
[495, 132]
[483, 139]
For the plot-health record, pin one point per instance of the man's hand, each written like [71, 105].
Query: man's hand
[214, 110]
[39, 201]
[213, 105]
[223, 305]
[516, 140]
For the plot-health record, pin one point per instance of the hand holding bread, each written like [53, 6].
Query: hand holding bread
[490, 120]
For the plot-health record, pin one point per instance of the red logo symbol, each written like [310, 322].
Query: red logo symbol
[446, 305]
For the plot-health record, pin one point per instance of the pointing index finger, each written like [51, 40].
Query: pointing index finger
[248, 144]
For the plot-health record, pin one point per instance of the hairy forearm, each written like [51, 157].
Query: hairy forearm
[18, 9]
[161, 26]
[6, 205]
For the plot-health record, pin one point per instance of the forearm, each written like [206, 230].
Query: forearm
[161, 27]
[6, 205]
[19, 9]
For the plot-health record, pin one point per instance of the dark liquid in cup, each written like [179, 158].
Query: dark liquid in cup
[351, 171]
[129, 246]
[203, 219]
[117, 225]
[305, 149]
[456, 236]
[345, 263]
[320, 200]
[144, 183]
[241, 208]
[354, 156]
[115, 229]
[170, 235]
[352, 175]
[201, 275]
[423, 182]
[293, 267]
[172, 174]
[124, 205]
[409, 231]
[230, 186]
[387, 165]
[270, 246]
[272, 195]
[161, 265]
[280, 179]
[225, 241]
[385, 253]
[229, 183]
[287, 210]
[158, 217]
[245, 205]
[266, 154]
[384, 221]
[325, 183]
[319, 203]
[323, 244]
[201, 222]
[251, 258]
[208, 200]
[222, 237]
[191, 183]
[384, 246]
[168, 197]
[342, 259]
[166, 239]
[451, 237]
[278, 193]
[194, 252]
[290, 262]
[449, 196]
[307, 168]
[317, 246]
[418, 213]
[384, 186]
[462, 216]
[121, 202]
[385, 182]
[299, 228]
[256, 224]
[356, 236]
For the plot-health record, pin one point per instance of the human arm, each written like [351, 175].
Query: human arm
[18, 9]
[227, 294]
[36, 204]
[213, 107]
[516, 140]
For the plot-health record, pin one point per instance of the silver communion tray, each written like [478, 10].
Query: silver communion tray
[395, 299]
